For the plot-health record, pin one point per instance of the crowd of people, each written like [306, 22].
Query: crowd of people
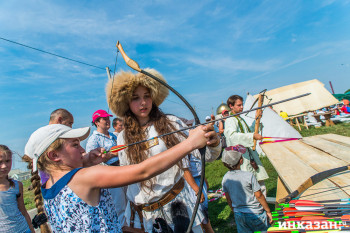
[338, 111]
[148, 187]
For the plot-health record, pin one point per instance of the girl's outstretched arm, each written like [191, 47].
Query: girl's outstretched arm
[22, 208]
[107, 176]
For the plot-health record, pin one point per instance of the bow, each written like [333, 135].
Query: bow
[313, 180]
[258, 116]
[132, 64]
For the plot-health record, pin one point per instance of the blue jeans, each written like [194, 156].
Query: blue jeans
[205, 204]
[198, 181]
[249, 222]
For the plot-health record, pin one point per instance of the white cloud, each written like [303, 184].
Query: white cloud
[217, 63]
[94, 24]
[293, 62]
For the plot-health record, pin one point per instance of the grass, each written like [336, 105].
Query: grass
[28, 196]
[219, 212]
[340, 128]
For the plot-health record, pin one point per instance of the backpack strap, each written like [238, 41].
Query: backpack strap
[240, 124]
[134, 208]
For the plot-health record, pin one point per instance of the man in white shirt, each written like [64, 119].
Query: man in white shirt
[238, 132]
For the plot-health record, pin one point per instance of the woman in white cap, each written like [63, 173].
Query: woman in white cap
[76, 198]
[135, 98]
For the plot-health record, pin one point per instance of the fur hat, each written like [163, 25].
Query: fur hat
[119, 95]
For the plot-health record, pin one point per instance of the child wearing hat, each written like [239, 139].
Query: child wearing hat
[136, 98]
[76, 196]
[243, 194]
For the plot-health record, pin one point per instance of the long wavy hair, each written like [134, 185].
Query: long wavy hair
[133, 132]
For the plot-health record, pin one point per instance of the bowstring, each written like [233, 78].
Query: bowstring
[108, 109]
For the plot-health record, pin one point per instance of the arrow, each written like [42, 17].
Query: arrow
[315, 206]
[293, 211]
[278, 138]
[323, 201]
[273, 141]
[303, 214]
[344, 218]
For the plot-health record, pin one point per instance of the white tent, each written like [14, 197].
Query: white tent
[272, 124]
[319, 97]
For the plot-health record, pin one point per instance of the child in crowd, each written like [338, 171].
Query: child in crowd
[76, 198]
[135, 98]
[244, 195]
[118, 126]
[13, 214]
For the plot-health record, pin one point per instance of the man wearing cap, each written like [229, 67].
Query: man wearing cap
[224, 113]
[237, 132]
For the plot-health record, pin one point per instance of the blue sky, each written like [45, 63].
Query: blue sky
[207, 50]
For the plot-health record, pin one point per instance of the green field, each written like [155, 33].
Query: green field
[219, 212]
[28, 196]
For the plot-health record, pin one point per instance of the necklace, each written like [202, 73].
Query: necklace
[145, 124]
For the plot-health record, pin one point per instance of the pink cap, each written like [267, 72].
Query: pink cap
[100, 113]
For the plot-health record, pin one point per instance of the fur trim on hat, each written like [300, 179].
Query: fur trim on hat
[124, 84]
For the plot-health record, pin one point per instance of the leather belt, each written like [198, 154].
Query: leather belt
[169, 196]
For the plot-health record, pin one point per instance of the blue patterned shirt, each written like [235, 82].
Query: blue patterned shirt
[69, 213]
[98, 139]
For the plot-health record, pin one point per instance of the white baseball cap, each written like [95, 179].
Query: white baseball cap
[43, 137]
[231, 157]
